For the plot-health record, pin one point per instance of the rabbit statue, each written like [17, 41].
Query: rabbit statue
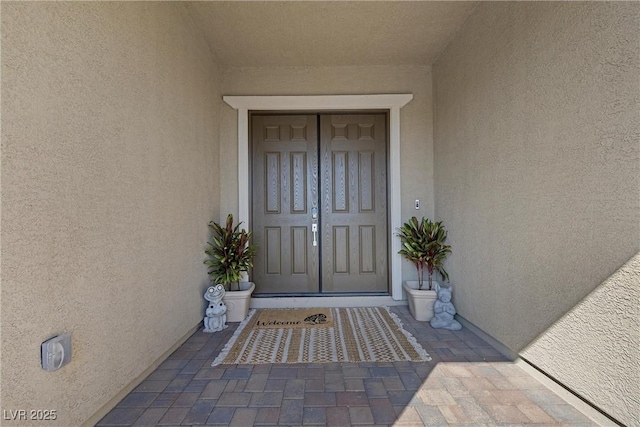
[443, 310]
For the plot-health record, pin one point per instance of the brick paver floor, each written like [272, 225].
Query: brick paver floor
[468, 382]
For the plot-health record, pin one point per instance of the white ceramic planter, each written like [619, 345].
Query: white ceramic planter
[238, 302]
[420, 301]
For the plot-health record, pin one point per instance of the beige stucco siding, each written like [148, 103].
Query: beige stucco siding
[109, 177]
[537, 173]
[416, 120]
[599, 340]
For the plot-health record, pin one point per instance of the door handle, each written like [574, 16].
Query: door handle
[314, 231]
[314, 225]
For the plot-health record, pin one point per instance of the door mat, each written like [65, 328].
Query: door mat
[365, 334]
[293, 318]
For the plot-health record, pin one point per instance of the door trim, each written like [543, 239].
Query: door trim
[390, 102]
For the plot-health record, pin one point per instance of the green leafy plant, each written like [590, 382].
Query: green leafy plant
[423, 244]
[230, 253]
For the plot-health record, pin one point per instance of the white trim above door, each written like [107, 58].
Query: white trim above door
[391, 102]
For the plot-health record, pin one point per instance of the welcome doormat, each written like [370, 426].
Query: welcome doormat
[293, 318]
[368, 334]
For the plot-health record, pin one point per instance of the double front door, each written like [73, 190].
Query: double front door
[319, 203]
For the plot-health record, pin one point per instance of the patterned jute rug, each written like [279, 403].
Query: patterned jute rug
[321, 335]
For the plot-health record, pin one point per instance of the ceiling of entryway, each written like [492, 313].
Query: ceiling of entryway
[313, 33]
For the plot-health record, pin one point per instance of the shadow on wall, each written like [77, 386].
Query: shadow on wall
[599, 339]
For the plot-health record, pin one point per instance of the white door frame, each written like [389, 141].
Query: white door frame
[391, 102]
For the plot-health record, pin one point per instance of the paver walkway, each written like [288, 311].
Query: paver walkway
[468, 382]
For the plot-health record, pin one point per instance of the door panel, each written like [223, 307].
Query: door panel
[354, 203]
[285, 171]
[351, 253]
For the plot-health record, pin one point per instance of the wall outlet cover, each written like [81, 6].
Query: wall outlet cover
[56, 352]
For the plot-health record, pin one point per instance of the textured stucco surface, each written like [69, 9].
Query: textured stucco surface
[109, 177]
[334, 33]
[605, 324]
[416, 127]
[537, 169]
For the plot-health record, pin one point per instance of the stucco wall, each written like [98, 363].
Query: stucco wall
[537, 170]
[109, 177]
[416, 120]
[605, 324]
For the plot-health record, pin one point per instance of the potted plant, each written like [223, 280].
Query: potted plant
[230, 254]
[423, 243]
